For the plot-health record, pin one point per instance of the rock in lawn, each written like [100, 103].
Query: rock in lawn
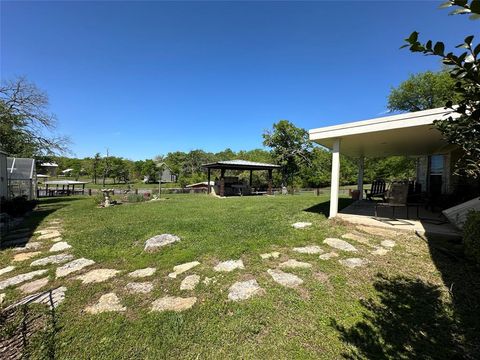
[285, 279]
[388, 243]
[73, 266]
[140, 273]
[50, 235]
[32, 245]
[358, 238]
[190, 282]
[229, 265]
[377, 231]
[60, 246]
[159, 241]
[34, 285]
[139, 287]
[2, 298]
[380, 251]
[180, 269]
[328, 256]
[301, 225]
[294, 264]
[97, 275]
[244, 290]
[106, 303]
[6, 269]
[54, 259]
[353, 262]
[311, 250]
[47, 231]
[25, 256]
[20, 278]
[172, 303]
[340, 244]
[272, 255]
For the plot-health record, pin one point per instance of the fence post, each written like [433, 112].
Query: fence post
[89, 192]
[136, 191]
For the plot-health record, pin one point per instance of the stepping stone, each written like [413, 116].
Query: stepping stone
[272, 255]
[173, 303]
[229, 265]
[25, 256]
[380, 251]
[244, 290]
[139, 287]
[285, 279]
[159, 241]
[180, 269]
[208, 280]
[106, 303]
[142, 272]
[190, 282]
[311, 249]
[50, 235]
[20, 278]
[353, 262]
[328, 256]
[358, 238]
[33, 245]
[34, 285]
[97, 275]
[53, 259]
[340, 244]
[57, 239]
[60, 246]
[6, 269]
[388, 243]
[54, 221]
[58, 296]
[2, 298]
[47, 231]
[301, 225]
[294, 264]
[377, 231]
[73, 266]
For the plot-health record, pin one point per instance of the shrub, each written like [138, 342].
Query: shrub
[471, 236]
[133, 198]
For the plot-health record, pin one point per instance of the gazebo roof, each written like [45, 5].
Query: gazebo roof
[64, 182]
[240, 165]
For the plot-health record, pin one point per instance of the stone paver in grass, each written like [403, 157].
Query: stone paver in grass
[310, 249]
[272, 255]
[60, 246]
[180, 269]
[353, 262]
[2, 298]
[107, 303]
[209, 280]
[53, 259]
[25, 256]
[159, 241]
[377, 231]
[50, 235]
[285, 279]
[388, 243]
[244, 290]
[294, 264]
[73, 266]
[358, 238]
[97, 275]
[173, 303]
[57, 297]
[328, 256]
[141, 273]
[139, 287]
[379, 251]
[7, 269]
[31, 245]
[229, 265]
[190, 282]
[54, 230]
[18, 279]
[57, 239]
[301, 225]
[34, 285]
[339, 244]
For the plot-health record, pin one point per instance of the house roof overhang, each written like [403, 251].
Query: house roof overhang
[240, 165]
[405, 134]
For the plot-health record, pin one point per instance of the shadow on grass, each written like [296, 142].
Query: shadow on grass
[324, 207]
[413, 319]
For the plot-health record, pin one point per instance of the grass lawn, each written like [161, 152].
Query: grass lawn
[400, 306]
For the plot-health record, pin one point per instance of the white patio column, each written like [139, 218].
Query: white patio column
[335, 181]
[360, 177]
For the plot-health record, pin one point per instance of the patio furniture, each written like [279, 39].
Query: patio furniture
[397, 197]
[378, 189]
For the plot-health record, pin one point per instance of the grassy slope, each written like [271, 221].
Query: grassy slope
[284, 323]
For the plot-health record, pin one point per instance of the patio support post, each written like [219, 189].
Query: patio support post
[222, 182]
[251, 171]
[208, 186]
[269, 191]
[335, 180]
[360, 177]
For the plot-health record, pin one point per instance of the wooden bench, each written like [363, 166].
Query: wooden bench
[378, 189]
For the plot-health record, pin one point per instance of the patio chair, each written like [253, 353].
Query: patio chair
[397, 197]
[378, 189]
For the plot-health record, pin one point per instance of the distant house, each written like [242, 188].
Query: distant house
[167, 176]
[50, 168]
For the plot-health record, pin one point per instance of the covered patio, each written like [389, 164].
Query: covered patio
[410, 134]
[62, 187]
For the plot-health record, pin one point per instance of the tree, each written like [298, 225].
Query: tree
[24, 120]
[290, 148]
[464, 68]
[95, 166]
[423, 91]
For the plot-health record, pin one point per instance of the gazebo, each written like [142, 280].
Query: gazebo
[68, 187]
[242, 165]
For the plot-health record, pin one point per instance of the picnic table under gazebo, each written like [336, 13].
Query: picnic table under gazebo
[64, 187]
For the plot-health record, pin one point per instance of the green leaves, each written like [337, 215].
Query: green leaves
[439, 48]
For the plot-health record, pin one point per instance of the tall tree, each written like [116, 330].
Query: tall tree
[290, 146]
[25, 120]
[464, 68]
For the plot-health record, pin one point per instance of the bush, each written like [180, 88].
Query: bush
[17, 206]
[471, 236]
[133, 198]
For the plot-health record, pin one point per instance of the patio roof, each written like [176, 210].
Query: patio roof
[64, 182]
[404, 134]
[240, 165]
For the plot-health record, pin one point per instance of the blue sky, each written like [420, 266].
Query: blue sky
[147, 78]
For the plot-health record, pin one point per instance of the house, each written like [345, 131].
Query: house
[50, 168]
[167, 176]
[412, 134]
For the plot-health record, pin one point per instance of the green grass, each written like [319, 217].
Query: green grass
[337, 312]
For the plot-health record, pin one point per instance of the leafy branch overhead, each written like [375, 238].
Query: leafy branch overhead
[464, 68]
